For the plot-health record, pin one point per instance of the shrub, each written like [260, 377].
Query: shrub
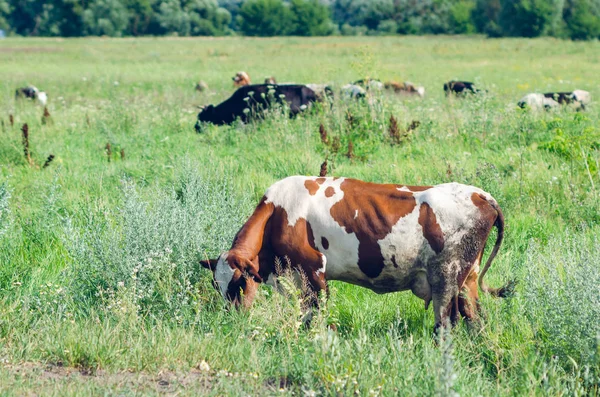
[563, 298]
[147, 256]
[264, 18]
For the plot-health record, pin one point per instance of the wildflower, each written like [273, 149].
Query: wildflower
[203, 366]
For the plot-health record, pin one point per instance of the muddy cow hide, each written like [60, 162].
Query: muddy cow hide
[248, 101]
[385, 237]
[460, 88]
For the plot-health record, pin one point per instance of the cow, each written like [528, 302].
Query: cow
[270, 80]
[370, 84]
[579, 98]
[246, 102]
[460, 88]
[385, 237]
[405, 88]
[322, 90]
[353, 91]
[32, 93]
[537, 102]
[241, 79]
[201, 86]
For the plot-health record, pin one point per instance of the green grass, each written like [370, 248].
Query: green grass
[100, 287]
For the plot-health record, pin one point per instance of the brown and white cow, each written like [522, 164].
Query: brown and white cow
[241, 79]
[385, 237]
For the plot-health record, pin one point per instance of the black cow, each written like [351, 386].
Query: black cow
[248, 101]
[460, 88]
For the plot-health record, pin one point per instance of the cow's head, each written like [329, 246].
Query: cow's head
[206, 115]
[241, 79]
[234, 276]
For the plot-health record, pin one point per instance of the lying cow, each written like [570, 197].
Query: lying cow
[405, 88]
[31, 92]
[241, 79]
[537, 102]
[370, 84]
[322, 90]
[247, 101]
[353, 91]
[579, 98]
[385, 237]
[460, 88]
[270, 80]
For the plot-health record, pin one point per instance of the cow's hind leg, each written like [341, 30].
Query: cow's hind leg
[468, 299]
[444, 293]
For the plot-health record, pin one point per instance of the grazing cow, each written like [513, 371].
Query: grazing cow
[247, 101]
[405, 88]
[385, 237]
[270, 80]
[201, 86]
[31, 92]
[370, 84]
[579, 98]
[353, 91]
[460, 88]
[322, 90]
[537, 102]
[241, 79]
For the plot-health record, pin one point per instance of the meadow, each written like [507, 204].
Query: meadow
[101, 291]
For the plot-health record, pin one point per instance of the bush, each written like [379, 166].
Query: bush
[105, 17]
[146, 257]
[527, 18]
[563, 298]
[310, 18]
[582, 23]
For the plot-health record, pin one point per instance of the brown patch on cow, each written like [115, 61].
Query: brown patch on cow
[311, 186]
[330, 191]
[310, 235]
[431, 229]
[325, 243]
[320, 181]
[394, 261]
[418, 188]
[473, 244]
[382, 207]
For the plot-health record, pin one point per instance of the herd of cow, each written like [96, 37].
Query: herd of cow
[385, 237]
[250, 98]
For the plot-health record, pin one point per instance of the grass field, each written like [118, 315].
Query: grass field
[100, 287]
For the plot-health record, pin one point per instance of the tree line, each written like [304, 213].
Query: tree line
[574, 19]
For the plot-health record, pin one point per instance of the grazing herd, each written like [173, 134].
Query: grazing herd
[250, 99]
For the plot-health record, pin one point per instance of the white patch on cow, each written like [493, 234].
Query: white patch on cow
[537, 102]
[323, 269]
[292, 195]
[223, 274]
[42, 98]
[583, 97]
[403, 189]
[421, 91]
[353, 91]
[355, 214]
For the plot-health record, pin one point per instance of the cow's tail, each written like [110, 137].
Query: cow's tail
[509, 287]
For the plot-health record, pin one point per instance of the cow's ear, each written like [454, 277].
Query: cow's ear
[209, 263]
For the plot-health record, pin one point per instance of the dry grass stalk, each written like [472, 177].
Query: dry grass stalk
[46, 118]
[323, 134]
[394, 130]
[350, 153]
[122, 154]
[413, 125]
[336, 144]
[449, 171]
[87, 120]
[108, 151]
[350, 119]
[25, 141]
[11, 119]
[48, 161]
[323, 171]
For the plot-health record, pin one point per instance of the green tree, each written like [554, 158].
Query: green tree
[460, 17]
[485, 17]
[105, 17]
[264, 18]
[195, 17]
[582, 20]
[310, 18]
[526, 18]
[5, 9]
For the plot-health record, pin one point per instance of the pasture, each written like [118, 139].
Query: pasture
[100, 287]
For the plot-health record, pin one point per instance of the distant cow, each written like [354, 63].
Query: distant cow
[241, 79]
[460, 88]
[385, 237]
[249, 100]
[405, 88]
[579, 98]
[31, 92]
[270, 80]
[322, 90]
[201, 86]
[537, 102]
[370, 84]
[353, 91]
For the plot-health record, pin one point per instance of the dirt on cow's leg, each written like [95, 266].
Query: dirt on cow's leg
[468, 299]
[444, 291]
